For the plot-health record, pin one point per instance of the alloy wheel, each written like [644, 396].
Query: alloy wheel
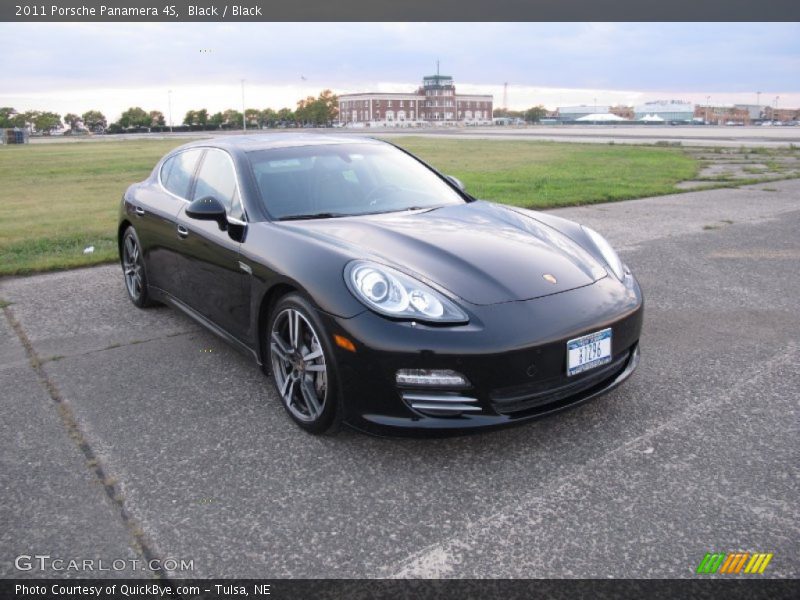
[298, 365]
[132, 266]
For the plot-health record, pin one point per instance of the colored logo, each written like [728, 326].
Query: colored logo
[734, 563]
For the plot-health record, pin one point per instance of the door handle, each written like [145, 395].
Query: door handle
[182, 231]
[139, 210]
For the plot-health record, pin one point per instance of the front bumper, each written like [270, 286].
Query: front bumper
[513, 354]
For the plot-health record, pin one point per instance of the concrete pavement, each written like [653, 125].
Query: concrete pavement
[194, 458]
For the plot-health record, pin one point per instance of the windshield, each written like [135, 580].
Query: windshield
[345, 179]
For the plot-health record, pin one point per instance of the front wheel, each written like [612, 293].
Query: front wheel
[302, 367]
[133, 269]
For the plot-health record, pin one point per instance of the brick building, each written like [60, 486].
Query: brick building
[783, 115]
[722, 115]
[435, 101]
[626, 112]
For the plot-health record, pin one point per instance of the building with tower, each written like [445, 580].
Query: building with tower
[434, 102]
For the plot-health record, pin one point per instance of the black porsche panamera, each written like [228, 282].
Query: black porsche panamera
[376, 290]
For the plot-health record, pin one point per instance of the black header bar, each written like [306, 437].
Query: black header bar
[736, 588]
[397, 10]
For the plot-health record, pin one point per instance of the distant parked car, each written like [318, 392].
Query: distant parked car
[375, 289]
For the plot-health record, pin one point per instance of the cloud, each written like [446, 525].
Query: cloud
[622, 59]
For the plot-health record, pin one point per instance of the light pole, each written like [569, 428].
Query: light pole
[244, 110]
[708, 99]
[169, 103]
[775, 110]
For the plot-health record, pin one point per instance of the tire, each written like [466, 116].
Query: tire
[133, 270]
[302, 365]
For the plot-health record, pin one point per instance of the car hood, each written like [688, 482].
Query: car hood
[482, 252]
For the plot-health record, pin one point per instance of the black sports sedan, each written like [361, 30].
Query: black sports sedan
[376, 290]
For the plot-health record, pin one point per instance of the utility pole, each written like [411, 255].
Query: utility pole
[244, 110]
[169, 103]
[708, 100]
[505, 97]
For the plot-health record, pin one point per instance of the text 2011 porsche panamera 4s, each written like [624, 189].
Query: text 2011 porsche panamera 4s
[375, 290]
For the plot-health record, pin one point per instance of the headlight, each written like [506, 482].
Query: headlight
[395, 294]
[609, 254]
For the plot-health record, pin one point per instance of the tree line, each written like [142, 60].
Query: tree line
[319, 111]
[532, 115]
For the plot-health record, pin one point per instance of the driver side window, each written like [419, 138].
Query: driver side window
[217, 178]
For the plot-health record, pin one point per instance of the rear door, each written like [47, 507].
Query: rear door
[155, 218]
[214, 283]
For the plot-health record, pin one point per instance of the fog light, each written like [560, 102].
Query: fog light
[431, 377]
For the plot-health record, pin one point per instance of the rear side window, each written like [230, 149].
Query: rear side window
[177, 171]
[218, 179]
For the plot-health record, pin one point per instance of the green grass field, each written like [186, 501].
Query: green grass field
[549, 174]
[57, 199]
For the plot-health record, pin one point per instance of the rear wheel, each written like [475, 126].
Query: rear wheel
[302, 368]
[133, 269]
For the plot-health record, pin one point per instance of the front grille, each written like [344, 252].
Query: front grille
[440, 404]
[532, 395]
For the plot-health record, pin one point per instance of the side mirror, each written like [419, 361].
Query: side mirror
[208, 209]
[456, 182]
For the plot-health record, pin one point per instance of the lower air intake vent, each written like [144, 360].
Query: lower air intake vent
[441, 404]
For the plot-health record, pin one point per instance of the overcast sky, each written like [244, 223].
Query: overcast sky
[109, 66]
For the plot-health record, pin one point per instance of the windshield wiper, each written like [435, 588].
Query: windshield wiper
[430, 208]
[407, 209]
[322, 215]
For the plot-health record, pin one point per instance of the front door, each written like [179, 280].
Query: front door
[213, 282]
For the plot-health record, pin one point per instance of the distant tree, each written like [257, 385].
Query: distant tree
[267, 118]
[216, 120]
[135, 117]
[320, 110]
[232, 118]
[513, 114]
[535, 114]
[285, 115]
[6, 115]
[201, 116]
[190, 118]
[253, 116]
[157, 119]
[46, 122]
[94, 120]
[24, 120]
[72, 120]
[303, 111]
[331, 103]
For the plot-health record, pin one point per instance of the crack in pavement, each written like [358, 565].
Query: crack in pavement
[119, 345]
[436, 560]
[139, 542]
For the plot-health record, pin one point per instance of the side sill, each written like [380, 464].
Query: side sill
[167, 298]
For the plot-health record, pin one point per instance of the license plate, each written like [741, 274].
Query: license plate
[588, 351]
